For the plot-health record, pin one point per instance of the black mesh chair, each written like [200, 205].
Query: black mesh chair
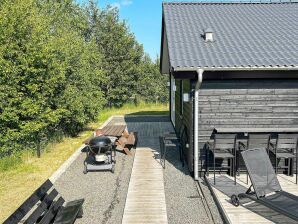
[223, 147]
[266, 187]
[285, 148]
[171, 140]
[260, 141]
[169, 143]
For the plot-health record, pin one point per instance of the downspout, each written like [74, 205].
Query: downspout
[196, 123]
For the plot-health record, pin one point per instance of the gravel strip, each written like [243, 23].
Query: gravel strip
[104, 192]
[184, 203]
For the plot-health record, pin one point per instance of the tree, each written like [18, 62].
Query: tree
[152, 85]
[122, 55]
[60, 63]
[49, 72]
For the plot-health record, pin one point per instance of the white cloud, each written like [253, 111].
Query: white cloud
[116, 5]
[121, 3]
[126, 2]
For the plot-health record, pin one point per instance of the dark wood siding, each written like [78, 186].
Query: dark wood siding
[185, 119]
[246, 104]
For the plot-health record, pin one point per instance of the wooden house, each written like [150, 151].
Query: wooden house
[231, 65]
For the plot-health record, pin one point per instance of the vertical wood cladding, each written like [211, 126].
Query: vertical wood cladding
[245, 104]
[185, 119]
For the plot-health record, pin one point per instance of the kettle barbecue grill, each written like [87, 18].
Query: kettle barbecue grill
[100, 155]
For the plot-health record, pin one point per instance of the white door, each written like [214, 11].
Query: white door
[173, 89]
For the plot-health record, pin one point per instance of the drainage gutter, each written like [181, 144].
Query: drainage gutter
[196, 123]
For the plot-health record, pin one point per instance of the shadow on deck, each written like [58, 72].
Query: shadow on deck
[249, 211]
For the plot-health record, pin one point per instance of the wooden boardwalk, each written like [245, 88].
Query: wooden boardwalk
[145, 202]
[250, 212]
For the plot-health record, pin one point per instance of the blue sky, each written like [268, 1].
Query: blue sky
[144, 20]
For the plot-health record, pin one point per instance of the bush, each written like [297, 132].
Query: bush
[60, 64]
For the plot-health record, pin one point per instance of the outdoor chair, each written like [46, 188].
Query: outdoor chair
[169, 143]
[267, 189]
[223, 147]
[260, 141]
[285, 148]
[172, 139]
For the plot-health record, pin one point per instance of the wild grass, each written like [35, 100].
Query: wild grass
[21, 174]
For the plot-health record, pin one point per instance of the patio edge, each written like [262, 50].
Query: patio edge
[217, 202]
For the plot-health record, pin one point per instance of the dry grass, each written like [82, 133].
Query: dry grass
[18, 182]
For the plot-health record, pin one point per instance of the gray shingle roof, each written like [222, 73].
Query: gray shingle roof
[246, 35]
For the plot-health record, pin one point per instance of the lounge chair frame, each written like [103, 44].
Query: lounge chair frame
[272, 190]
[254, 140]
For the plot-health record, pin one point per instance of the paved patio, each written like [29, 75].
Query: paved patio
[105, 193]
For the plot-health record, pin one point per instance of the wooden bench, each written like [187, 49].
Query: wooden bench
[127, 141]
[46, 206]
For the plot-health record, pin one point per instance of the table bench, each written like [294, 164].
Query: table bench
[46, 206]
[126, 142]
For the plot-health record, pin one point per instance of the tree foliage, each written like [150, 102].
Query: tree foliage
[60, 63]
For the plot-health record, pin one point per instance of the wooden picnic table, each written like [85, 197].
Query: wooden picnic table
[114, 130]
[110, 130]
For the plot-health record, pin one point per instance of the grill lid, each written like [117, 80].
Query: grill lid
[100, 141]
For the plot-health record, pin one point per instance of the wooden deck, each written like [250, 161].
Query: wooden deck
[145, 202]
[250, 211]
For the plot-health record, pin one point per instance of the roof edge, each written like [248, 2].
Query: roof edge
[276, 68]
[222, 2]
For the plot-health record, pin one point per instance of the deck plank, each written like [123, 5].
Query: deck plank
[145, 202]
[114, 130]
[250, 212]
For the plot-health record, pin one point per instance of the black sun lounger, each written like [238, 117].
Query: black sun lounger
[267, 189]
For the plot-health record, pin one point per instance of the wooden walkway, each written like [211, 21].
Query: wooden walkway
[145, 202]
[250, 212]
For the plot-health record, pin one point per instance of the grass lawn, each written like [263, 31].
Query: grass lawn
[19, 179]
